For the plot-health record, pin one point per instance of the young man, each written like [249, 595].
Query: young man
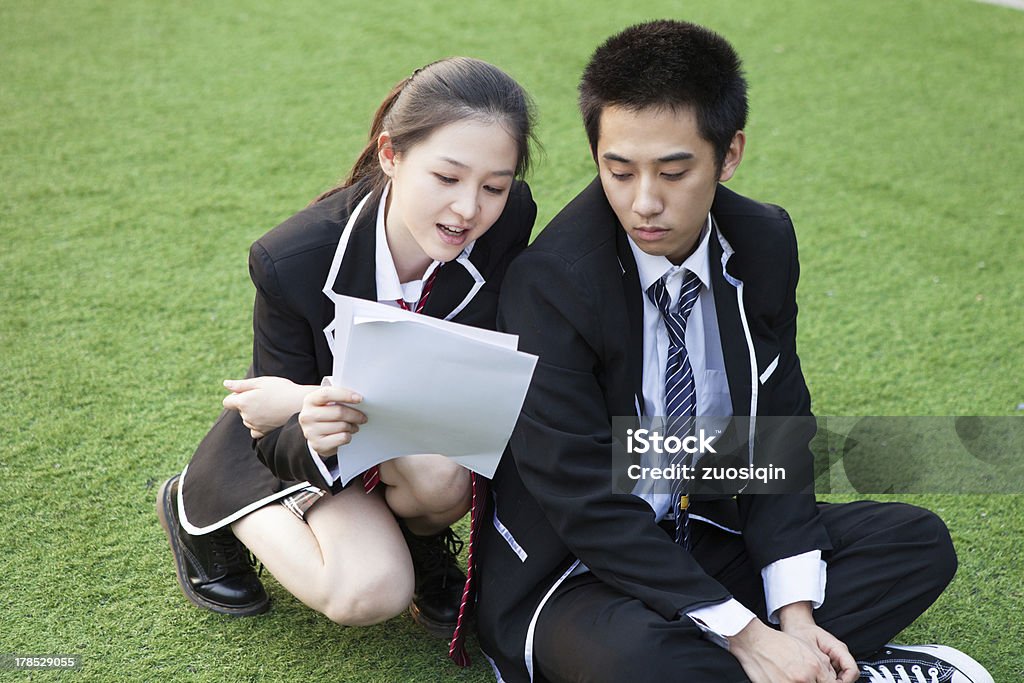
[584, 582]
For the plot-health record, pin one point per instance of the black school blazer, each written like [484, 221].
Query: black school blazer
[574, 298]
[289, 266]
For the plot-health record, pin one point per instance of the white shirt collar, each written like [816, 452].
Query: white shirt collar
[389, 287]
[651, 268]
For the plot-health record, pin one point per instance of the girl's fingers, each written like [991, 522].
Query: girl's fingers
[329, 445]
[332, 413]
[240, 384]
[327, 395]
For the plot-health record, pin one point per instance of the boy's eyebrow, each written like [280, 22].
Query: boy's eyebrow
[612, 156]
[459, 164]
[675, 156]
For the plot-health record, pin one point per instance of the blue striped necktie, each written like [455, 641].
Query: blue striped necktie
[680, 390]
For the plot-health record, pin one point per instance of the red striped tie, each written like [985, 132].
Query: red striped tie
[371, 477]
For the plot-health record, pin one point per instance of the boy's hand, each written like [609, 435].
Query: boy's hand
[797, 620]
[770, 656]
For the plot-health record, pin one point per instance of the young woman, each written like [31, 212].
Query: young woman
[428, 219]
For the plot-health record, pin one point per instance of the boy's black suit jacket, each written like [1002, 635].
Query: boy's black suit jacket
[289, 266]
[574, 299]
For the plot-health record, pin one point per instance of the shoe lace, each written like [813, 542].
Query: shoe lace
[229, 554]
[254, 562]
[437, 555]
[883, 674]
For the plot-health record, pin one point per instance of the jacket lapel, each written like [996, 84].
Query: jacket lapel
[734, 339]
[356, 276]
[635, 313]
[455, 283]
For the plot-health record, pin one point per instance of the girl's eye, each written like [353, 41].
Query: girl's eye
[446, 180]
[497, 191]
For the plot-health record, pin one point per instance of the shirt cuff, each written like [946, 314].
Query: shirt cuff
[721, 621]
[331, 474]
[794, 579]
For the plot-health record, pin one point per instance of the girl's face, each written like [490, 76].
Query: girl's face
[446, 191]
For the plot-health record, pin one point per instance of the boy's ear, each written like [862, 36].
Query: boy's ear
[386, 154]
[733, 156]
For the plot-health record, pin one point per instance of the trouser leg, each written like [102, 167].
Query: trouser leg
[591, 632]
[890, 562]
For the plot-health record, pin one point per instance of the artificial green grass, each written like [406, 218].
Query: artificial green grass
[144, 145]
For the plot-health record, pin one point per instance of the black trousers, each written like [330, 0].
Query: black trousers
[890, 562]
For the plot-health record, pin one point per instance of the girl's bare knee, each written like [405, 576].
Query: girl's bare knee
[370, 599]
[443, 488]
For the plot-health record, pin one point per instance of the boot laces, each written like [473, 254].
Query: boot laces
[228, 553]
[437, 555]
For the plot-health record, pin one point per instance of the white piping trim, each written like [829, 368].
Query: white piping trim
[769, 370]
[497, 674]
[507, 535]
[478, 282]
[727, 252]
[528, 650]
[705, 520]
[233, 517]
[753, 374]
[339, 254]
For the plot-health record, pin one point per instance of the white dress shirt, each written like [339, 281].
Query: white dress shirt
[789, 580]
[389, 290]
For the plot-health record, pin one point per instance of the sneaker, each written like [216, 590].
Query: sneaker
[214, 570]
[921, 664]
[439, 581]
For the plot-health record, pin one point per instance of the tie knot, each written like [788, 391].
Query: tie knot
[688, 292]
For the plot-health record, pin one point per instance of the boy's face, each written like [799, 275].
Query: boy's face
[659, 176]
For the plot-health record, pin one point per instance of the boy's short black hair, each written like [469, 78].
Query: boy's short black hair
[673, 64]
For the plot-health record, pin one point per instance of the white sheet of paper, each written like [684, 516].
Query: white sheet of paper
[428, 386]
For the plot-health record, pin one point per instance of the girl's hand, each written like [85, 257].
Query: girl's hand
[327, 422]
[265, 403]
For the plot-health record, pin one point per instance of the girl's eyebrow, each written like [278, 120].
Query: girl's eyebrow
[455, 162]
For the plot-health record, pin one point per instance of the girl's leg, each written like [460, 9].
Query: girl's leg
[347, 561]
[429, 492]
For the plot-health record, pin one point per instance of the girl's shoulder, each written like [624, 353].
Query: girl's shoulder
[314, 227]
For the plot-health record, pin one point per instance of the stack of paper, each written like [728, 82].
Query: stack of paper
[428, 386]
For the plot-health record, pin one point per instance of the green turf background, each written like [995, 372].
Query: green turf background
[144, 145]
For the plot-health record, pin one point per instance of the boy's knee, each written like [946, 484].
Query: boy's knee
[941, 553]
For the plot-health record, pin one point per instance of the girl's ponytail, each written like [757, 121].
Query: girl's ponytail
[438, 94]
[367, 169]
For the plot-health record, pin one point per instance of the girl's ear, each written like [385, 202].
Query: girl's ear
[386, 154]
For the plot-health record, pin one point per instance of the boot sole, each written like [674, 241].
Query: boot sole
[168, 521]
[438, 629]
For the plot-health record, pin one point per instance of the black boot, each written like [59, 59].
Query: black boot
[439, 581]
[213, 570]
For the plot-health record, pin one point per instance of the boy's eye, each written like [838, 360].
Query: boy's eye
[673, 176]
[620, 176]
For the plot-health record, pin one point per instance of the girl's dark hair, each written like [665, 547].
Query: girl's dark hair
[440, 93]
